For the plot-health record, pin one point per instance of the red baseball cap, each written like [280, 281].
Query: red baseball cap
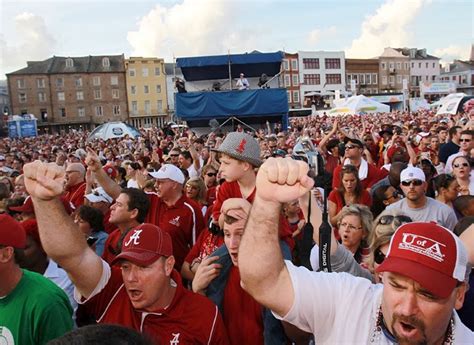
[429, 254]
[31, 229]
[12, 233]
[145, 244]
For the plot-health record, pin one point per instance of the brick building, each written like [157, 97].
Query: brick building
[71, 92]
[290, 77]
[365, 73]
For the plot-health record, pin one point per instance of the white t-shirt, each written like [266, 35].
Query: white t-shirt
[342, 309]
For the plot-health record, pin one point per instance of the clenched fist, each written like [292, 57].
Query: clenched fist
[44, 181]
[283, 179]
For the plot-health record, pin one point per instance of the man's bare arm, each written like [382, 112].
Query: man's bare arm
[111, 187]
[262, 269]
[61, 238]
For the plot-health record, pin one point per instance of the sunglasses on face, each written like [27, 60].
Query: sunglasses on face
[396, 220]
[348, 147]
[414, 182]
[461, 165]
[393, 195]
[464, 140]
[379, 257]
[211, 174]
[174, 155]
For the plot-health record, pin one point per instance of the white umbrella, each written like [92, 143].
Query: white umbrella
[312, 93]
[112, 130]
[359, 105]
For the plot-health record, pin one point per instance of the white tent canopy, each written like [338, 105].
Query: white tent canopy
[450, 103]
[112, 130]
[359, 105]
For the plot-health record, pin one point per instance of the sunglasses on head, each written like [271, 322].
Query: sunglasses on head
[379, 257]
[460, 165]
[396, 220]
[414, 182]
[211, 174]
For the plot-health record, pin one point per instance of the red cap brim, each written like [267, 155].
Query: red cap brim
[439, 284]
[140, 258]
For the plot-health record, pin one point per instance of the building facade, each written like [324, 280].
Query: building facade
[70, 92]
[291, 80]
[321, 73]
[394, 67]
[172, 73]
[461, 73]
[365, 73]
[147, 91]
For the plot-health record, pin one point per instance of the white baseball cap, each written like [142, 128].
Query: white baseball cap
[169, 171]
[99, 195]
[412, 173]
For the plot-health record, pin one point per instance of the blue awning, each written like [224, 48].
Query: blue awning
[223, 104]
[217, 67]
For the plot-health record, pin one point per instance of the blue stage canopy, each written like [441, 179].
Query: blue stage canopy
[217, 67]
[223, 104]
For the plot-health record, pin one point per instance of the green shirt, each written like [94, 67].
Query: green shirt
[36, 311]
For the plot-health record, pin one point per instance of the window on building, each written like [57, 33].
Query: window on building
[114, 80]
[144, 72]
[97, 94]
[147, 108]
[116, 110]
[287, 81]
[78, 82]
[99, 111]
[368, 79]
[399, 65]
[131, 72]
[81, 112]
[294, 78]
[294, 64]
[63, 112]
[361, 79]
[158, 88]
[115, 93]
[434, 64]
[433, 78]
[159, 106]
[146, 89]
[134, 107]
[384, 80]
[348, 80]
[105, 62]
[312, 79]
[41, 97]
[399, 79]
[355, 77]
[61, 96]
[426, 65]
[59, 82]
[332, 63]
[40, 83]
[391, 65]
[296, 96]
[391, 80]
[22, 97]
[412, 65]
[79, 95]
[384, 66]
[332, 79]
[419, 64]
[311, 63]
[374, 78]
[133, 89]
[288, 95]
[96, 81]
[286, 65]
[69, 63]
[157, 71]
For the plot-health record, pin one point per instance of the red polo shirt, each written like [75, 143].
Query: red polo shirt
[206, 244]
[75, 195]
[110, 244]
[189, 319]
[183, 221]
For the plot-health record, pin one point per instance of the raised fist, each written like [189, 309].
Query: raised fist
[92, 160]
[44, 181]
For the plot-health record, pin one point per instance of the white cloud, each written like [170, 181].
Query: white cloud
[316, 35]
[386, 28]
[189, 28]
[34, 42]
[453, 52]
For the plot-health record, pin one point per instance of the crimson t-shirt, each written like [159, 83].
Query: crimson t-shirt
[75, 195]
[241, 313]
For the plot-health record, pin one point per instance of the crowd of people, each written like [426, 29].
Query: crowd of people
[210, 239]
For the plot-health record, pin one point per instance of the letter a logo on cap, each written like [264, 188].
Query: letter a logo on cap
[241, 148]
[135, 238]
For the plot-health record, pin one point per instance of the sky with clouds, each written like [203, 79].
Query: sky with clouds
[35, 30]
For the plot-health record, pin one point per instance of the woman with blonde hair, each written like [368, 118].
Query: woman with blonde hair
[195, 189]
[462, 170]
